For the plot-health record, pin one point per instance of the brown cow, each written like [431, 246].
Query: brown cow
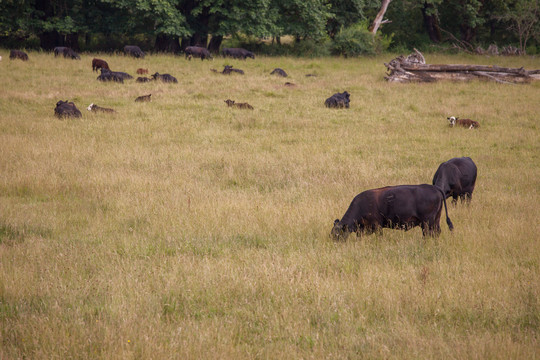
[141, 71]
[231, 103]
[99, 64]
[467, 123]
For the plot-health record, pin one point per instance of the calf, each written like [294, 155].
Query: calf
[134, 51]
[143, 79]
[456, 178]
[237, 53]
[164, 78]
[143, 98]
[18, 54]
[338, 100]
[231, 103]
[467, 123]
[95, 108]
[141, 71]
[396, 207]
[280, 72]
[228, 69]
[197, 51]
[99, 64]
[66, 109]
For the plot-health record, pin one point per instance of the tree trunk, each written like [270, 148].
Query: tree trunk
[431, 23]
[215, 43]
[72, 41]
[379, 18]
[166, 43]
[48, 40]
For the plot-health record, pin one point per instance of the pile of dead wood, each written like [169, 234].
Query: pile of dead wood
[413, 68]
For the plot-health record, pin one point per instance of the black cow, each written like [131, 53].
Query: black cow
[18, 54]
[143, 79]
[456, 177]
[59, 50]
[280, 72]
[66, 109]
[120, 74]
[164, 77]
[237, 53]
[228, 70]
[69, 53]
[395, 207]
[107, 75]
[197, 51]
[134, 51]
[338, 100]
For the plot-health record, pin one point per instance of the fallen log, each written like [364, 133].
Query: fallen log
[402, 69]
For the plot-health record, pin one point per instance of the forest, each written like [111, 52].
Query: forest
[311, 27]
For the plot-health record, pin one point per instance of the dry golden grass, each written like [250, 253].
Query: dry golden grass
[185, 229]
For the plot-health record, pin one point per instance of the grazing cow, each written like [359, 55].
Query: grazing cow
[99, 64]
[134, 51]
[164, 77]
[66, 109]
[95, 108]
[231, 103]
[396, 207]
[143, 98]
[280, 72]
[141, 71]
[59, 50]
[18, 54]
[228, 69]
[69, 53]
[143, 79]
[467, 123]
[338, 100]
[456, 178]
[237, 53]
[197, 51]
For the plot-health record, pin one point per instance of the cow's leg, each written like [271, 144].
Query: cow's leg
[454, 200]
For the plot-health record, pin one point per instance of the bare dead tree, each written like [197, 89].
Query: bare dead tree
[379, 18]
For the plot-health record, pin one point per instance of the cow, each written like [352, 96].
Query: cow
[99, 64]
[120, 74]
[197, 51]
[141, 71]
[95, 108]
[143, 79]
[228, 69]
[467, 123]
[18, 54]
[110, 76]
[66, 109]
[280, 72]
[59, 50]
[289, 84]
[400, 207]
[232, 103]
[237, 53]
[338, 100]
[143, 98]
[134, 51]
[69, 53]
[164, 77]
[456, 178]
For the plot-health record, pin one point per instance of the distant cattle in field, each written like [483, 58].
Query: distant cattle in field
[237, 53]
[456, 178]
[96, 108]
[196, 51]
[71, 54]
[134, 51]
[99, 64]
[338, 100]
[18, 54]
[396, 207]
[143, 79]
[228, 69]
[107, 75]
[59, 50]
[66, 109]
[311, 75]
[232, 103]
[120, 74]
[466, 123]
[279, 72]
[164, 77]
[144, 98]
[141, 71]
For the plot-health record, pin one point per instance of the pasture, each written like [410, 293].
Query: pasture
[183, 229]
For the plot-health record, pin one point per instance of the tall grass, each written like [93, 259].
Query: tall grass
[182, 228]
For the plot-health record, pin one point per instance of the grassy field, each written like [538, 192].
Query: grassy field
[183, 229]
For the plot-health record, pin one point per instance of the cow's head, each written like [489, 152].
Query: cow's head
[452, 120]
[90, 107]
[340, 231]
[229, 102]
[154, 76]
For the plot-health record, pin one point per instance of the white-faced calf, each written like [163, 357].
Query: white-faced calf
[467, 123]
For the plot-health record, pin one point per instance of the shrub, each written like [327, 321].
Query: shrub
[357, 40]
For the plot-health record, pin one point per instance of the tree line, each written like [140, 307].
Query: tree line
[171, 25]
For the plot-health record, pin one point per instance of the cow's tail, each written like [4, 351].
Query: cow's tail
[448, 221]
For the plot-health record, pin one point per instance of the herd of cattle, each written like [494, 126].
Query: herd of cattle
[396, 207]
